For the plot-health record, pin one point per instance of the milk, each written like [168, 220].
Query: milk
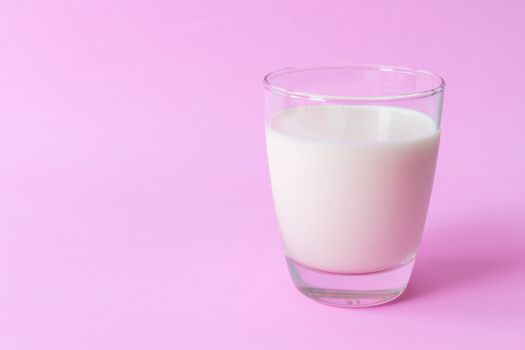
[351, 184]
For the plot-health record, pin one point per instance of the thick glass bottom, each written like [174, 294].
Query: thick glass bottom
[350, 290]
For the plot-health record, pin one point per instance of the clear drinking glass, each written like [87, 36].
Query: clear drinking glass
[352, 151]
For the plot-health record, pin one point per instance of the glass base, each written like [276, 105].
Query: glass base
[350, 290]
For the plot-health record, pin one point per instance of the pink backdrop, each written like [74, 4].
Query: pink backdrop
[135, 206]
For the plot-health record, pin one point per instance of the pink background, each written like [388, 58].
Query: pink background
[135, 206]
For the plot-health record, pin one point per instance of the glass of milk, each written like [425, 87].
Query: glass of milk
[352, 151]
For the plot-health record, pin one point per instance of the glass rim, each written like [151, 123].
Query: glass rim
[342, 66]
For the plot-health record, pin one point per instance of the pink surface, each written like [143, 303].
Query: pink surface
[135, 207]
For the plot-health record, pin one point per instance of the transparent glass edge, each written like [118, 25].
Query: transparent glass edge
[331, 98]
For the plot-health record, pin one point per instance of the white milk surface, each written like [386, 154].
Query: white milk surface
[351, 184]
